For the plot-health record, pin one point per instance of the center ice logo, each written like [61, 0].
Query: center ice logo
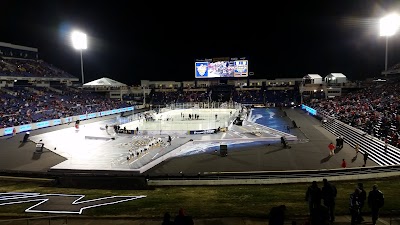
[60, 203]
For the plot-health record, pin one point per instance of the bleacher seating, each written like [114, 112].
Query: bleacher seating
[28, 104]
[30, 68]
[374, 146]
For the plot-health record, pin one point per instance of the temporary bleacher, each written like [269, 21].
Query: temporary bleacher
[374, 146]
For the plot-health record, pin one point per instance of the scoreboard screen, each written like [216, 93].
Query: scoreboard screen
[232, 68]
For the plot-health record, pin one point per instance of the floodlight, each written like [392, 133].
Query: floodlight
[79, 40]
[389, 24]
[388, 27]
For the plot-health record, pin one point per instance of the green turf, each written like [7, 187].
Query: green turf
[208, 201]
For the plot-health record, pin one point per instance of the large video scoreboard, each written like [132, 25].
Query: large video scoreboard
[216, 68]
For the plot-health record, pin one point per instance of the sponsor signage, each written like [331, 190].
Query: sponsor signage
[57, 122]
[8, 131]
[25, 127]
[43, 124]
[209, 131]
[309, 109]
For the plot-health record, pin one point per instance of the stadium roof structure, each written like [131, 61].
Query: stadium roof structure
[336, 75]
[104, 82]
[312, 76]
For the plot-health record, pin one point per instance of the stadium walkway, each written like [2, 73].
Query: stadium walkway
[340, 220]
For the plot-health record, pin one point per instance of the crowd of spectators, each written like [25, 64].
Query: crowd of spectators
[178, 97]
[25, 105]
[374, 109]
[30, 68]
[242, 96]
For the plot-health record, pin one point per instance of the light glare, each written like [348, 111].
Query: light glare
[79, 40]
[389, 24]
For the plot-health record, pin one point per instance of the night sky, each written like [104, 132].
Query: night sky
[133, 40]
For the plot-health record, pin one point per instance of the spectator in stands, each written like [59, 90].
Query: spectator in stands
[373, 109]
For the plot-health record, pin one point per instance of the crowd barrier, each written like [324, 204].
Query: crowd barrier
[55, 122]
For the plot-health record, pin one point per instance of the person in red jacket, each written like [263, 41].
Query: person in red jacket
[344, 164]
[331, 147]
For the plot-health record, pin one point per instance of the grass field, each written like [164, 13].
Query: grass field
[206, 201]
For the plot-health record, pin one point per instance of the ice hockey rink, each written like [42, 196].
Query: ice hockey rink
[93, 147]
[182, 120]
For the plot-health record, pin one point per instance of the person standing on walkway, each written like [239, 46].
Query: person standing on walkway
[354, 206]
[344, 164]
[331, 147]
[313, 197]
[357, 149]
[341, 142]
[14, 132]
[365, 158]
[362, 199]
[376, 201]
[283, 142]
[329, 193]
[169, 139]
[337, 141]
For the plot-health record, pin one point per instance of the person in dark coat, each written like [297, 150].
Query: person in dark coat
[362, 199]
[167, 219]
[365, 158]
[313, 197]
[338, 142]
[277, 215]
[354, 206]
[183, 219]
[329, 193]
[376, 201]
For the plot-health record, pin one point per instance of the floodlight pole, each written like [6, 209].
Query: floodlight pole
[386, 53]
[83, 79]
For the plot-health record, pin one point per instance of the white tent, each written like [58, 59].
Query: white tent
[104, 82]
[335, 78]
[312, 79]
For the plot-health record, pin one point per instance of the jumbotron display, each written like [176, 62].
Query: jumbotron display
[232, 68]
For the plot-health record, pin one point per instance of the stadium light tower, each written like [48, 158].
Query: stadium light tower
[388, 27]
[79, 41]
